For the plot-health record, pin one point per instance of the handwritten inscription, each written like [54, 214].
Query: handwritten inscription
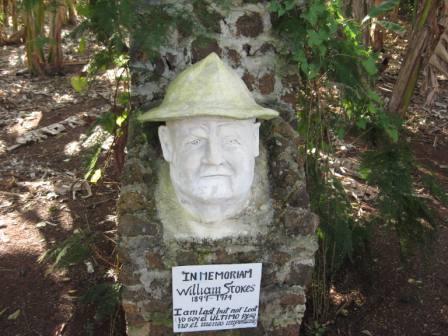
[215, 297]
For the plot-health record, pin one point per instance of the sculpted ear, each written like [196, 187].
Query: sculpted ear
[166, 143]
[256, 129]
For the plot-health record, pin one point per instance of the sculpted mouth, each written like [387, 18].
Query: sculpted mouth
[216, 175]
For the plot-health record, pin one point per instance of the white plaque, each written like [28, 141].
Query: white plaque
[215, 297]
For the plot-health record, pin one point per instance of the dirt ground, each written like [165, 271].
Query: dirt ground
[389, 296]
[42, 203]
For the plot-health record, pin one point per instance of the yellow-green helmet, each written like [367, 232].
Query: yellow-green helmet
[208, 88]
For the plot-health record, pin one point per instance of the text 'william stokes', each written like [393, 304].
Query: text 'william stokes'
[227, 288]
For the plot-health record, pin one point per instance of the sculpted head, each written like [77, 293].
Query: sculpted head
[211, 139]
[211, 161]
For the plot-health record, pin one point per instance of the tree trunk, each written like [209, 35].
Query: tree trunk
[34, 16]
[14, 15]
[72, 15]
[55, 55]
[376, 37]
[5, 6]
[420, 43]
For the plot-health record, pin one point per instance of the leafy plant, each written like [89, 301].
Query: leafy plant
[73, 250]
[316, 329]
[105, 298]
[336, 96]
[433, 185]
[391, 170]
[79, 83]
[112, 23]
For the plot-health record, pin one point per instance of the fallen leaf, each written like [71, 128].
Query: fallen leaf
[41, 224]
[14, 315]
[3, 237]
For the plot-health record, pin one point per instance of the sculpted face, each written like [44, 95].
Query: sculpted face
[212, 163]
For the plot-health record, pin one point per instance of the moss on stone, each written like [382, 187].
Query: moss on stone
[209, 18]
[184, 27]
[163, 319]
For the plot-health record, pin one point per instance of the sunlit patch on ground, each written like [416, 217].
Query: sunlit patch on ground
[16, 58]
[343, 300]
[72, 148]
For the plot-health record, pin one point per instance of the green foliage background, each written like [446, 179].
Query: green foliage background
[338, 97]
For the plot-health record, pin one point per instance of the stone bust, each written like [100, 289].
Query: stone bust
[210, 142]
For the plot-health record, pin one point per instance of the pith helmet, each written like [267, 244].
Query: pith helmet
[208, 88]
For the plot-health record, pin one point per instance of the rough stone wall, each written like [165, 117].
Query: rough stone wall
[242, 37]
[286, 251]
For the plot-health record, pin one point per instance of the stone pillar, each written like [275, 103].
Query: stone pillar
[241, 35]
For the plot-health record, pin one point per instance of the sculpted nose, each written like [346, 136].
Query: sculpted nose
[214, 155]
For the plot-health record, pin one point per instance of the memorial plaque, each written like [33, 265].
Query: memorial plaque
[215, 297]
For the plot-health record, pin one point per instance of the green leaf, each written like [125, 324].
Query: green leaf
[105, 297]
[29, 4]
[381, 9]
[41, 42]
[73, 250]
[374, 96]
[392, 133]
[83, 9]
[121, 119]
[361, 123]
[313, 71]
[340, 132]
[3, 311]
[314, 38]
[275, 7]
[435, 188]
[93, 161]
[107, 121]
[370, 66]
[364, 173]
[392, 26]
[96, 176]
[82, 46]
[281, 8]
[14, 315]
[290, 4]
[121, 61]
[79, 83]
[124, 98]
[315, 10]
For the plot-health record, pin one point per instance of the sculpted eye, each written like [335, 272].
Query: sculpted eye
[233, 141]
[194, 142]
